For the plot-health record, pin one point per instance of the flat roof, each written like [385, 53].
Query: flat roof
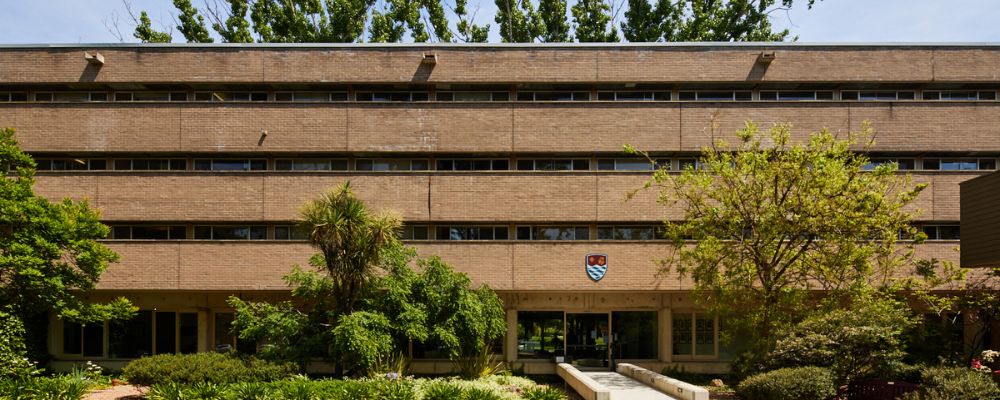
[800, 45]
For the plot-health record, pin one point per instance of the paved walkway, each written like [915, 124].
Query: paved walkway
[625, 388]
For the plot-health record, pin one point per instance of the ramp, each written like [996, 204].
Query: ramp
[626, 388]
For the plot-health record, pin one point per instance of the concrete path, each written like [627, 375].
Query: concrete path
[625, 388]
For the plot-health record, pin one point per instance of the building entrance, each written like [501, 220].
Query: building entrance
[588, 340]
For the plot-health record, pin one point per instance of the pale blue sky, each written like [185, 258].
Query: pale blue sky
[83, 21]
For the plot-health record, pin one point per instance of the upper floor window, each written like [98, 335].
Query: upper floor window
[631, 164]
[960, 164]
[553, 165]
[70, 164]
[390, 164]
[290, 232]
[392, 96]
[959, 95]
[553, 233]
[70, 96]
[877, 95]
[903, 164]
[13, 96]
[414, 232]
[310, 97]
[472, 165]
[220, 232]
[633, 96]
[150, 96]
[942, 232]
[795, 95]
[471, 232]
[148, 232]
[310, 164]
[229, 165]
[553, 96]
[156, 164]
[473, 96]
[629, 233]
[715, 95]
[230, 96]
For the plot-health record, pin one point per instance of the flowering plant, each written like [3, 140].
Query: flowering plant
[988, 362]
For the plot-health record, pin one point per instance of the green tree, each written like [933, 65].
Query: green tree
[644, 23]
[554, 22]
[144, 31]
[768, 221]
[592, 21]
[518, 21]
[192, 23]
[468, 31]
[49, 252]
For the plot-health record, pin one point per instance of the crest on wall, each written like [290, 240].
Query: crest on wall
[596, 266]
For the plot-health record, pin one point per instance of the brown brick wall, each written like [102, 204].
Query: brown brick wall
[505, 266]
[980, 222]
[657, 63]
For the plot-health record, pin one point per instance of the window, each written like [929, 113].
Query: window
[84, 339]
[414, 232]
[629, 233]
[635, 334]
[70, 164]
[205, 232]
[903, 164]
[633, 96]
[310, 97]
[631, 164]
[955, 95]
[392, 96]
[290, 232]
[941, 232]
[13, 96]
[305, 164]
[688, 163]
[230, 96]
[693, 334]
[390, 165]
[540, 334]
[132, 338]
[553, 233]
[69, 97]
[150, 96]
[959, 164]
[156, 164]
[152, 232]
[225, 340]
[795, 95]
[229, 165]
[553, 96]
[877, 95]
[553, 165]
[715, 96]
[471, 233]
[43, 96]
[473, 96]
[472, 165]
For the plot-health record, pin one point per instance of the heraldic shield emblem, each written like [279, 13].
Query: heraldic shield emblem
[596, 265]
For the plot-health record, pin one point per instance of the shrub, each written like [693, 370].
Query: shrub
[544, 393]
[64, 387]
[802, 383]
[955, 383]
[204, 367]
[13, 361]
[440, 389]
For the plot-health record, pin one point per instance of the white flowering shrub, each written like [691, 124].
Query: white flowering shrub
[13, 363]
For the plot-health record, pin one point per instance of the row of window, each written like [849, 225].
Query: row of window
[485, 96]
[403, 164]
[442, 232]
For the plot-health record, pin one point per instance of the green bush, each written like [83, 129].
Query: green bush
[204, 367]
[802, 383]
[544, 393]
[13, 361]
[64, 387]
[955, 383]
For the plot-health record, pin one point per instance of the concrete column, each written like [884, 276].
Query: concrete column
[204, 338]
[510, 341]
[666, 327]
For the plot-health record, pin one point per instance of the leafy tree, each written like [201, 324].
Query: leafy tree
[518, 21]
[768, 221]
[553, 16]
[48, 251]
[144, 31]
[644, 23]
[192, 23]
[468, 31]
[591, 19]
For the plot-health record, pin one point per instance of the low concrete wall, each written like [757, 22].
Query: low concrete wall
[670, 386]
[588, 388]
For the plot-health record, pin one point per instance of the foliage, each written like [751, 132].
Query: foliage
[768, 220]
[478, 365]
[288, 332]
[363, 338]
[203, 368]
[14, 363]
[863, 341]
[346, 21]
[955, 383]
[63, 387]
[802, 383]
[49, 252]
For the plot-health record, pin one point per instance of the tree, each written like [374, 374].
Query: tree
[49, 252]
[553, 16]
[768, 222]
[144, 31]
[518, 21]
[644, 23]
[591, 19]
[192, 23]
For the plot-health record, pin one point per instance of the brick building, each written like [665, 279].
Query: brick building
[505, 160]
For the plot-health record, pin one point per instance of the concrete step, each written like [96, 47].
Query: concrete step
[625, 388]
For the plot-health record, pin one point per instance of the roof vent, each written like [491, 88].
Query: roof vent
[429, 59]
[765, 57]
[94, 59]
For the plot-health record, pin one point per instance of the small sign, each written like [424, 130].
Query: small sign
[596, 266]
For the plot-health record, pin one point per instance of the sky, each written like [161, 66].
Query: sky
[88, 21]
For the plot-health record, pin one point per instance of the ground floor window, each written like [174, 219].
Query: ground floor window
[540, 334]
[147, 333]
[635, 334]
[132, 338]
[83, 339]
[693, 334]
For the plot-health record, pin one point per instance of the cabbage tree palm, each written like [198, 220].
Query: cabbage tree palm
[353, 242]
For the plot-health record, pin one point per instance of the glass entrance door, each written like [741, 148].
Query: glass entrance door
[588, 339]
